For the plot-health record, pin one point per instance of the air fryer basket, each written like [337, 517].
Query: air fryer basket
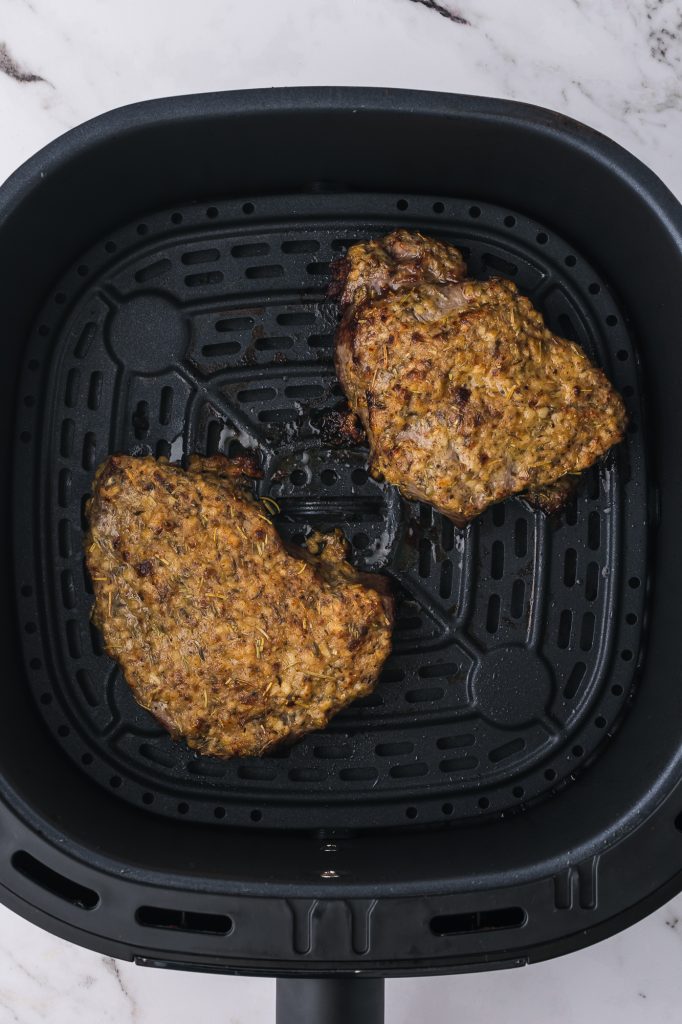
[205, 328]
[497, 799]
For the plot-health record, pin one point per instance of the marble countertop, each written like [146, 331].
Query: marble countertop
[614, 64]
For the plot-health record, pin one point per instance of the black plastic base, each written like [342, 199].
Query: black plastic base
[491, 890]
[330, 1001]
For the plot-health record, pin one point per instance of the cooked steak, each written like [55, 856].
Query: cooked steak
[394, 263]
[465, 395]
[231, 638]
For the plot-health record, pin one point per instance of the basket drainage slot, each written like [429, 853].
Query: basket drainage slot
[184, 920]
[479, 921]
[54, 882]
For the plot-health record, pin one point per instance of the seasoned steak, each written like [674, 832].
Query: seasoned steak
[465, 395]
[394, 263]
[231, 638]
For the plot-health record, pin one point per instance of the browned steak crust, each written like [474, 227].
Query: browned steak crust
[465, 395]
[233, 640]
[393, 263]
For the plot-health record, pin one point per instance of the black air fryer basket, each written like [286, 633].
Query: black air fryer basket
[511, 790]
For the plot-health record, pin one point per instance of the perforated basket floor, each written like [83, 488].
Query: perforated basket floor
[203, 329]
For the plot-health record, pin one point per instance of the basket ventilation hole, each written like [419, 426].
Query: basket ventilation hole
[95, 390]
[163, 449]
[574, 680]
[592, 581]
[564, 633]
[493, 617]
[141, 420]
[517, 598]
[269, 270]
[207, 277]
[196, 256]
[478, 921]
[497, 560]
[446, 578]
[498, 515]
[295, 245]
[54, 882]
[507, 750]
[570, 565]
[587, 631]
[184, 920]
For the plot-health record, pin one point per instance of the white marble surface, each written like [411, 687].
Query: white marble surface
[615, 64]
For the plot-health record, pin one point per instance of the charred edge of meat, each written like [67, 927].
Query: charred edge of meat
[555, 496]
[246, 465]
[341, 426]
[338, 274]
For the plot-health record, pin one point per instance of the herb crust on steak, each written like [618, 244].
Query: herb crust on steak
[465, 396]
[230, 637]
